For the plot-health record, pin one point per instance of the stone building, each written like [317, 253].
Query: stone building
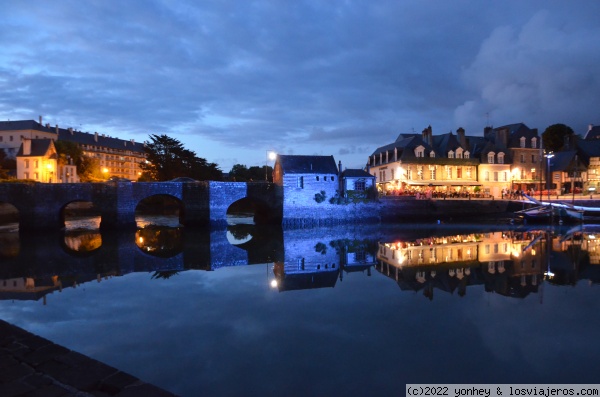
[503, 159]
[306, 179]
[37, 160]
[117, 157]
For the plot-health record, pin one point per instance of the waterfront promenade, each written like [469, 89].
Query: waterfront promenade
[33, 366]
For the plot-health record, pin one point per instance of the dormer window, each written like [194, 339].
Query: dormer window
[534, 143]
[432, 154]
[450, 154]
[467, 155]
[500, 158]
[459, 153]
[490, 157]
[420, 151]
[522, 142]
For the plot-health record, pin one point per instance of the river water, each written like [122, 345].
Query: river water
[313, 312]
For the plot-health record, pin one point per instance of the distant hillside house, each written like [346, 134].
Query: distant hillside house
[357, 181]
[37, 160]
[302, 177]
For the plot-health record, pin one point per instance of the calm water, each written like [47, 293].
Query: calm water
[348, 312]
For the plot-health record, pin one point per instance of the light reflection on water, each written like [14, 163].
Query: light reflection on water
[317, 311]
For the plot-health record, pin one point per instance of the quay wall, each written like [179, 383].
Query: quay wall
[390, 210]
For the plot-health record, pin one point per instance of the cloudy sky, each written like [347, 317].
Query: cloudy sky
[234, 79]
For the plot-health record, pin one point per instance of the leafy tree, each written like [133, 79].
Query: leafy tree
[168, 159]
[554, 136]
[88, 169]
[6, 164]
[241, 173]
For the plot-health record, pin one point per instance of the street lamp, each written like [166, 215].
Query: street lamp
[50, 168]
[548, 156]
[270, 155]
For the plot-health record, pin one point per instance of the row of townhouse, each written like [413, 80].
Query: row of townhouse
[27, 141]
[504, 159]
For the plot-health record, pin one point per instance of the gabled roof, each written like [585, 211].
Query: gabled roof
[405, 146]
[20, 125]
[445, 143]
[86, 138]
[292, 164]
[39, 147]
[589, 149]
[592, 133]
[562, 161]
[82, 138]
[356, 173]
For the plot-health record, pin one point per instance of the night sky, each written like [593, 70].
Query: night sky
[234, 79]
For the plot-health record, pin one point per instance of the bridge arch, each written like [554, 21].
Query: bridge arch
[81, 243]
[80, 214]
[248, 210]
[160, 209]
[9, 216]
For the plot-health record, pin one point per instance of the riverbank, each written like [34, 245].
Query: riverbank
[32, 365]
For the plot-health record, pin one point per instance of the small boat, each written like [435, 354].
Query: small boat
[540, 213]
[544, 211]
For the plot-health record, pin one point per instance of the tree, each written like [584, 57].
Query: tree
[88, 169]
[168, 159]
[554, 136]
[6, 164]
[241, 173]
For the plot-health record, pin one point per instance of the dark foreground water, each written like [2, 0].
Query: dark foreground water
[318, 312]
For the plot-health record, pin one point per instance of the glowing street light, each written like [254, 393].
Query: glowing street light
[271, 155]
[548, 156]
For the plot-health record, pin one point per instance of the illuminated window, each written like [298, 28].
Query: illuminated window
[491, 157]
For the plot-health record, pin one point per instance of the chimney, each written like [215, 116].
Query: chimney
[41, 120]
[95, 137]
[429, 135]
[57, 129]
[26, 147]
[339, 166]
[590, 127]
[133, 142]
[461, 137]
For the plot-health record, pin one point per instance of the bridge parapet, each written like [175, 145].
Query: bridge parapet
[41, 205]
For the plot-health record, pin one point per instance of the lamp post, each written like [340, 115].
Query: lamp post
[549, 155]
[270, 155]
[50, 168]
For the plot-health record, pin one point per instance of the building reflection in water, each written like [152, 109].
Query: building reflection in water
[513, 263]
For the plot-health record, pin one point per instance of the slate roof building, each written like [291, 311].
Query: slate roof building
[356, 181]
[504, 158]
[303, 177]
[37, 160]
[117, 157]
[414, 162]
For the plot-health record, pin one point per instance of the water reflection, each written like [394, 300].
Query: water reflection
[160, 241]
[513, 262]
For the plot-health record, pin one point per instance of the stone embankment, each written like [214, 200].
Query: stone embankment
[395, 209]
[34, 366]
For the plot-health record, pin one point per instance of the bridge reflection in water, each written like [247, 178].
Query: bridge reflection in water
[513, 262]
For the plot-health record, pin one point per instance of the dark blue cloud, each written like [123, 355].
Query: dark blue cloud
[233, 79]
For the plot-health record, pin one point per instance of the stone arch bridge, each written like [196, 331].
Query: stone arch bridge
[41, 205]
